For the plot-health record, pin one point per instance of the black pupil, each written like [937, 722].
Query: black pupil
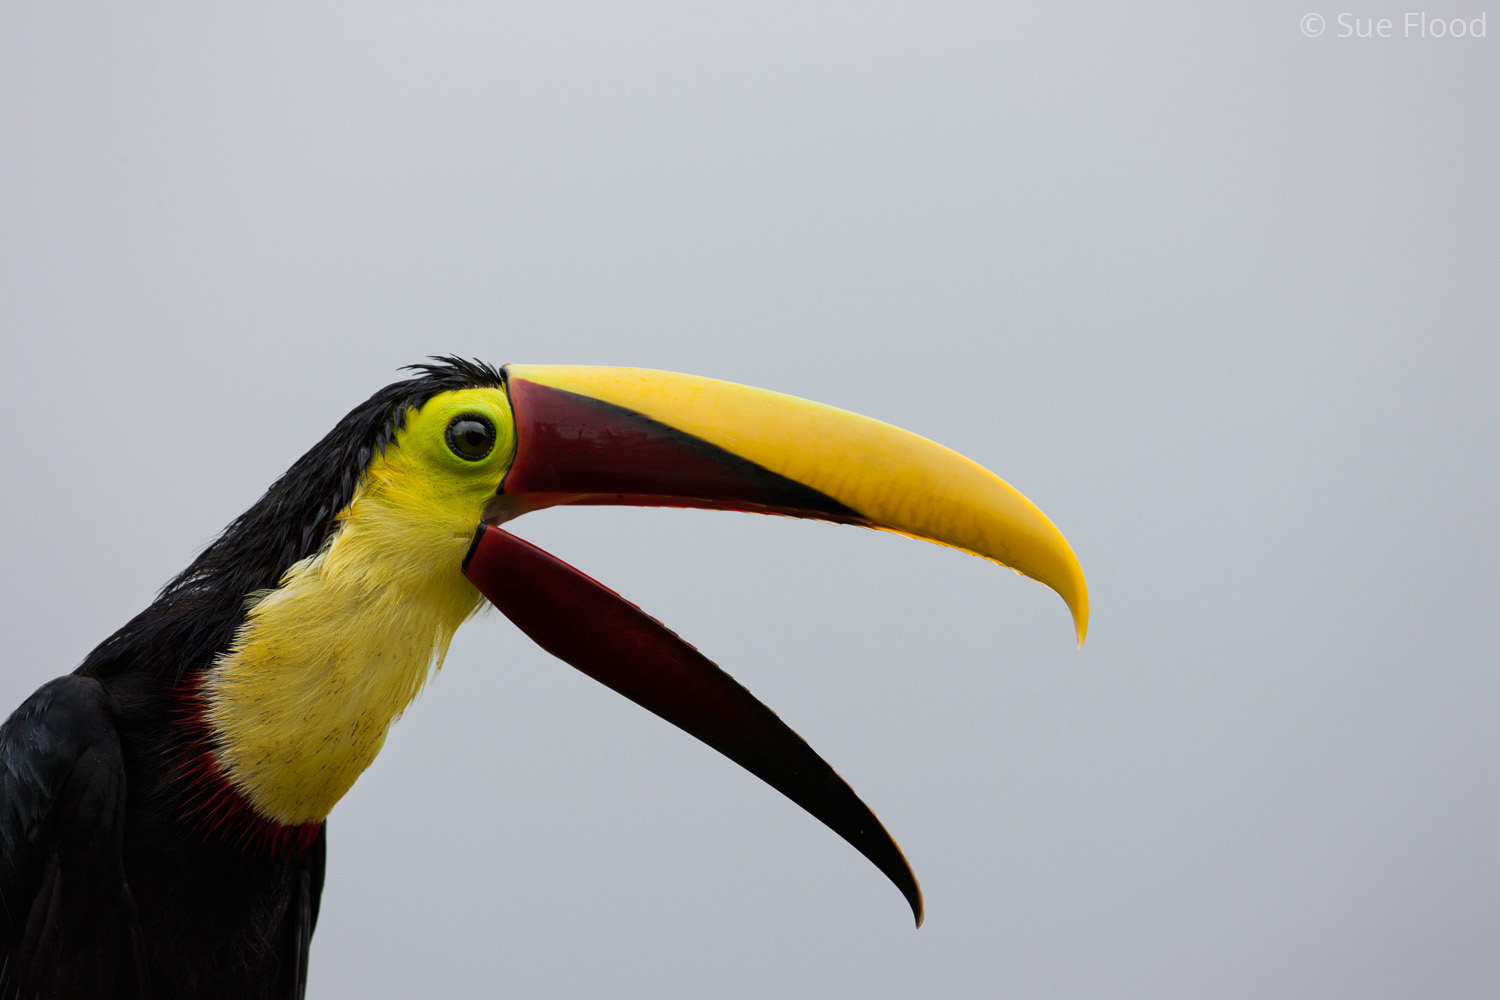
[471, 437]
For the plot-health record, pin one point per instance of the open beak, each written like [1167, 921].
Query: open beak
[588, 435]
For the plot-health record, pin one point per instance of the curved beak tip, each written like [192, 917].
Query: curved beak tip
[1072, 586]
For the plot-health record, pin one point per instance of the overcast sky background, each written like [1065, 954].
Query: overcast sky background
[1217, 295]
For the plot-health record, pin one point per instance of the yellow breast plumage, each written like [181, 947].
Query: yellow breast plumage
[326, 662]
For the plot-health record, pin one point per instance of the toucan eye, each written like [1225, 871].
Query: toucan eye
[471, 436]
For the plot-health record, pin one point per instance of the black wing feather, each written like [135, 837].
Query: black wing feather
[68, 924]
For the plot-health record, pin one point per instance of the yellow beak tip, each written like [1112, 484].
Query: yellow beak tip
[1077, 598]
[1081, 622]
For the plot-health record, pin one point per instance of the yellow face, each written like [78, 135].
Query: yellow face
[449, 459]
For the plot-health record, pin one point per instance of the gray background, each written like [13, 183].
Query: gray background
[1218, 296]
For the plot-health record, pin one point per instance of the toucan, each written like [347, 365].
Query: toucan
[163, 808]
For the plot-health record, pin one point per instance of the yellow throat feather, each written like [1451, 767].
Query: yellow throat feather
[324, 664]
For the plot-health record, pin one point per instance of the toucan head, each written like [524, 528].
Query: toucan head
[477, 447]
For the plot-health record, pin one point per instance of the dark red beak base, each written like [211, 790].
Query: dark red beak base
[589, 451]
